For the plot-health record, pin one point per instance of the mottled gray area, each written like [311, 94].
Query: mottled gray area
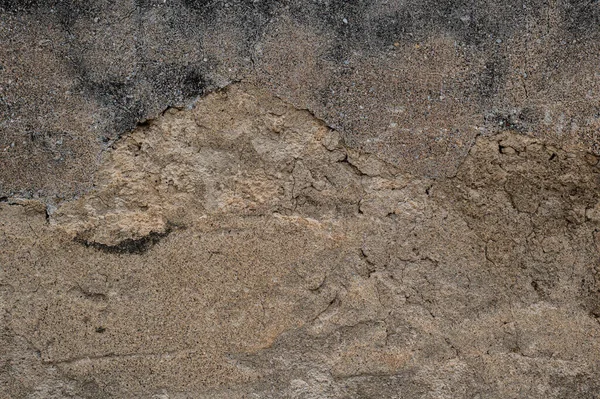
[414, 81]
[309, 199]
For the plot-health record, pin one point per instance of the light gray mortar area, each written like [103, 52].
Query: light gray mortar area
[309, 199]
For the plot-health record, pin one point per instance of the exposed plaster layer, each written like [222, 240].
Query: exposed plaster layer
[411, 81]
[241, 248]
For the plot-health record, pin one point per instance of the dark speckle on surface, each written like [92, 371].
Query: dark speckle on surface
[128, 246]
[95, 69]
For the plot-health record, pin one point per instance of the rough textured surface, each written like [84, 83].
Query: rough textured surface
[411, 81]
[241, 249]
[310, 199]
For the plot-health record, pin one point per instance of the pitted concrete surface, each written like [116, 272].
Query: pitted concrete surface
[299, 200]
[413, 82]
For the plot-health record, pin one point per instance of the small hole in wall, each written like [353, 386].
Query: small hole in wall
[100, 329]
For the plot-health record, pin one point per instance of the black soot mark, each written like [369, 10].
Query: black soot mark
[128, 246]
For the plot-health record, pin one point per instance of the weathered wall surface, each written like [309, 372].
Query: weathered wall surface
[414, 82]
[242, 248]
[323, 199]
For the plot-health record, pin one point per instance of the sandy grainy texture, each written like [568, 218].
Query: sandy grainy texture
[413, 82]
[310, 199]
[241, 249]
